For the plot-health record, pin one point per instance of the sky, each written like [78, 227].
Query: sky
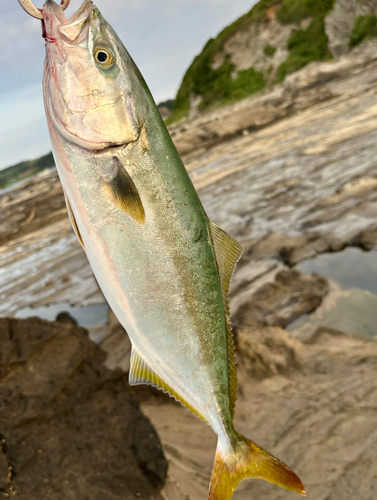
[162, 36]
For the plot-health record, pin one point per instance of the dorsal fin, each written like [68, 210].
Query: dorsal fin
[73, 220]
[142, 373]
[121, 190]
[228, 252]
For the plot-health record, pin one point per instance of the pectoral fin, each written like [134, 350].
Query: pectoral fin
[121, 190]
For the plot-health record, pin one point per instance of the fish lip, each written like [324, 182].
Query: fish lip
[53, 10]
[71, 29]
[51, 7]
[55, 22]
[86, 7]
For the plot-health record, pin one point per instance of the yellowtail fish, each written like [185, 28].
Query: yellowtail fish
[162, 265]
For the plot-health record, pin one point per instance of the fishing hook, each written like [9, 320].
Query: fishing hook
[28, 6]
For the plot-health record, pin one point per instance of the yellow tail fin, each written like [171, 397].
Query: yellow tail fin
[249, 460]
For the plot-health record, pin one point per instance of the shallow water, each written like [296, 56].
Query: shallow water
[351, 268]
[86, 316]
[351, 305]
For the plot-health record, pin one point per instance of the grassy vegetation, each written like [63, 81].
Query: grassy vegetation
[176, 116]
[201, 79]
[269, 51]
[364, 27]
[166, 104]
[294, 11]
[247, 82]
[304, 47]
[217, 86]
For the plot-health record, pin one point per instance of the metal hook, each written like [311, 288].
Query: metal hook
[28, 7]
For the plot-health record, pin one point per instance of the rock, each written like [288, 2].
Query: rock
[250, 275]
[307, 87]
[325, 334]
[117, 345]
[264, 352]
[36, 203]
[287, 249]
[66, 317]
[71, 428]
[44, 258]
[5, 470]
[353, 189]
[307, 140]
[367, 239]
[281, 301]
[320, 419]
[339, 23]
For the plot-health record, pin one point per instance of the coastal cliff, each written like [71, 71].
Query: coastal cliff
[271, 41]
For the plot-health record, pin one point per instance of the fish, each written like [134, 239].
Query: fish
[163, 266]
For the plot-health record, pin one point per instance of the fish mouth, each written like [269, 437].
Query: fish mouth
[55, 23]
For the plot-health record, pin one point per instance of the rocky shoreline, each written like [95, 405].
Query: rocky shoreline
[315, 407]
[291, 174]
[71, 428]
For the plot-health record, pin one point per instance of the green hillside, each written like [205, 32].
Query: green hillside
[25, 169]
[302, 39]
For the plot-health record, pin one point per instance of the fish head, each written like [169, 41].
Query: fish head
[90, 82]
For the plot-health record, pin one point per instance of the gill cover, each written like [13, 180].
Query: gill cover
[89, 79]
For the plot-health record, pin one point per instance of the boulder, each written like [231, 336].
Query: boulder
[281, 301]
[70, 427]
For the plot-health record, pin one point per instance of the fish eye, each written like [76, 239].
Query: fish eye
[103, 57]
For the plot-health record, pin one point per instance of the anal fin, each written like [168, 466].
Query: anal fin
[142, 373]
